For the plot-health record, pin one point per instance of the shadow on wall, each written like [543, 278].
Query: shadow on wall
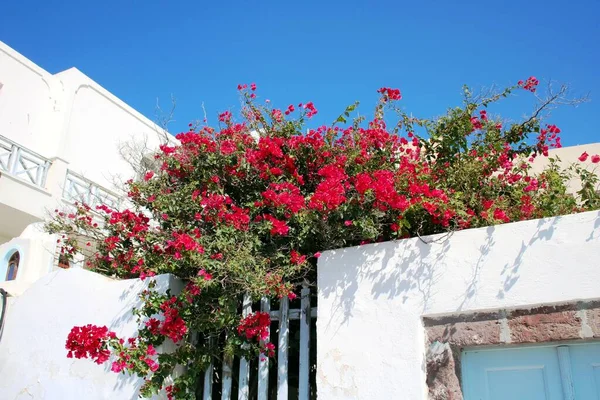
[405, 267]
[354, 267]
[125, 317]
[545, 231]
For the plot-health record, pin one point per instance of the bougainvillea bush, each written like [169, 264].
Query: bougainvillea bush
[247, 207]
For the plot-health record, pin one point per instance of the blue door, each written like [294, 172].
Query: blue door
[532, 373]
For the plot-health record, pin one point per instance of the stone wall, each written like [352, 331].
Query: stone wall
[447, 336]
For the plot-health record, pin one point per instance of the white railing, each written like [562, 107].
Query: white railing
[22, 163]
[281, 317]
[82, 190]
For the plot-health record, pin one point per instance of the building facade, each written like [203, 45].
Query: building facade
[63, 139]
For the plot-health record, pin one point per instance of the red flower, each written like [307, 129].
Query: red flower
[285, 195]
[148, 175]
[255, 326]
[173, 326]
[530, 84]
[596, 158]
[277, 227]
[310, 109]
[153, 324]
[118, 366]
[228, 147]
[501, 215]
[153, 365]
[205, 275]
[225, 116]
[476, 123]
[151, 351]
[296, 258]
[171, 390]
[584, 156]
[390, 94]
[89, 341]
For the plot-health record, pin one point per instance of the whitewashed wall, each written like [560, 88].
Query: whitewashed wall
[30, 102]
[97, 125]
[33, 362]
[371, 342]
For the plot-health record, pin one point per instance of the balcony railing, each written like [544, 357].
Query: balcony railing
[82, 190]
[22, 163]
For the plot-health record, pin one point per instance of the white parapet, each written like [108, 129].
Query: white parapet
[32, 346]
[371, 340]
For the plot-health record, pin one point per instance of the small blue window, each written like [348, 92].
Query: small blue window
[13, 267]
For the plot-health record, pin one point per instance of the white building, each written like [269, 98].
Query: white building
[60, 136]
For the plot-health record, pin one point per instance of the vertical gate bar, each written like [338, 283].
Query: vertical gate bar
[243, 391]
[208, 376]
[282, 349]
[304, 386]
[227, 372]
[263, 360]
[208, 382]
[564, 363]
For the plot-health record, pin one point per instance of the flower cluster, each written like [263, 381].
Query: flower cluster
[390, 94]
[594, 159]
[173, 326]
[89, 341]
[530, 84]
[255, 326]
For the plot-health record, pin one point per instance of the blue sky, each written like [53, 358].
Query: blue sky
[330, 52]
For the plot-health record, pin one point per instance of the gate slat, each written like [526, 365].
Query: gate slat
[304, 386]
[243, 390]
[263, 360]
[282, 356]
[208, 382]
[227, 372]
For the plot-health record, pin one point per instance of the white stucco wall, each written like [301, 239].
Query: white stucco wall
[33, 362]
[371, 342]
[98, 124]
[30, 102]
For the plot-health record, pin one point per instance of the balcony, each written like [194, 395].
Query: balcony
[22, 163]
[82, 190]
[23, 194]
[31, 185]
